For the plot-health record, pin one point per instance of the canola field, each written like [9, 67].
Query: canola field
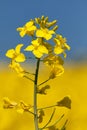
[72, 83]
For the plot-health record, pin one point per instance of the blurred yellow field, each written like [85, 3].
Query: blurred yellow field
[72, 83]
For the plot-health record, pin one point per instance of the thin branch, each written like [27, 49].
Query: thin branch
[56, 121]
[43, 82]
[64, 125]
[46, 107]
[30, 112]
[28, 78]
[29, 73]
[49, 119]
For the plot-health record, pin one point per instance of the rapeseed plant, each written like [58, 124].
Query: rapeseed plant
[47, 47]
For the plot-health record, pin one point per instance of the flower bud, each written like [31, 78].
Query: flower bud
[51, 23]
[42, 18]
[37, 20]
[46, 19]
[55, 28]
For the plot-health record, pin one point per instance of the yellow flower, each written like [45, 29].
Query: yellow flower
[37, 48]
[56, 71]
[44, 33]
[61, 45]
[16, 66]
[52, 60]
[55, 63]
[48, 46]
[15, 54]
[8, 103]
[27, 29]
[22, 107]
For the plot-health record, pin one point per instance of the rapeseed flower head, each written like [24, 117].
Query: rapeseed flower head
[27, 29]
[40, 30]
[37, 48]
[15, 54]
[61, 45]
[45, 33]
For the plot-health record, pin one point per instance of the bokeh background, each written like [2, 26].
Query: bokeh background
[72, 22]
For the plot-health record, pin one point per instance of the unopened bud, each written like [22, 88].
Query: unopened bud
[46, 19]
[51, 23]
[42, 18]
[54, 22]
[55, 28]
[37, 20]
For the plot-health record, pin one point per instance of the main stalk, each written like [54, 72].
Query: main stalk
[35, 95]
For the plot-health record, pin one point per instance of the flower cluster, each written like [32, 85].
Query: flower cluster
[16, 57]
[46, 45]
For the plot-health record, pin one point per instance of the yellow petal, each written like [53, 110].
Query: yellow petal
[36, 42]
[37, 53]
[22, 33]
[51, 32]
[57, 41]
[39, 33]
[10, 53]
[66, 46]
[16, 66]
[48, 36]
[43, 49]
[20, 58]
[19, 29]
[29, 48]
[20, 110]
[28, 24]
[56, 71]
[58, 50]
[31, 28]
[18, 48]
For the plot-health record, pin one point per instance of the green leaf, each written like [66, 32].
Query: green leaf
[65, 102]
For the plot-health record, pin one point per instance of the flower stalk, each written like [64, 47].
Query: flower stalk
[35, 94]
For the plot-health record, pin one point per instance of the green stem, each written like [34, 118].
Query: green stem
[43, 82]
[56, 122]
[49, 119]
[46, 107]
[29, 73]
[35, 95]
[28, 78]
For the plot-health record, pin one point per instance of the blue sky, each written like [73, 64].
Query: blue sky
[71, 16]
